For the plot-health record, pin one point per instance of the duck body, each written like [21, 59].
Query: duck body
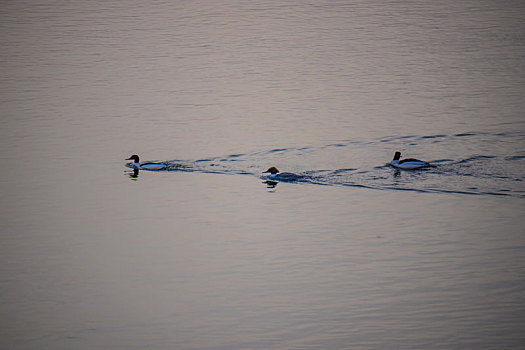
[409, 163]
[146, 165]
[275, 174]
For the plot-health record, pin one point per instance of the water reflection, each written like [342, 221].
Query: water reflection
[133, 174]
[270, 184]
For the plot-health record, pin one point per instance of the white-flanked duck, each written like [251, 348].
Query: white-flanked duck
[276, 175]
[409, 163]
[145, 165]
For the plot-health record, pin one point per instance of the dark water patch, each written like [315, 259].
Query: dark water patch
[465, 134]
[433, 136]
[396, 138]
[511, 158]
[233, 156]
[357, 186]
[277, 150]
[384, 166]
[344, 143]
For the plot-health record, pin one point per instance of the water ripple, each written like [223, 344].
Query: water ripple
[473, 174]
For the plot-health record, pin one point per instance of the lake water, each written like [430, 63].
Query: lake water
[206, 254]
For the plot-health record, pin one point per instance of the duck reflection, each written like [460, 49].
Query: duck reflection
[270, 184]
[133, 174]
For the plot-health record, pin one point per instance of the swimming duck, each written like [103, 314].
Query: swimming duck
[276, 175]
[145, 165]
[409, 163]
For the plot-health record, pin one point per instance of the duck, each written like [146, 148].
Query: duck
[409, 163]
[146, 165]
[275, 174]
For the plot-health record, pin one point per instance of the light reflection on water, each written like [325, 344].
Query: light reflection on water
[209, 255]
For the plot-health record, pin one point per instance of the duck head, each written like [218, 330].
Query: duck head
[272, 170]
[134, 158]
[397, 156]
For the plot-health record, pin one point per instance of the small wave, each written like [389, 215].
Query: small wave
[510, 158]
[176, 166]
[441, 161]
[478, 174]
[474, 158]
[465, 134]
[277, 150]
[415, 140]
[396, 138]
[232, 156]
[344, 170]
[432, 137]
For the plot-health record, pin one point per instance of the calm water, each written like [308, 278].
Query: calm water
[206, 255]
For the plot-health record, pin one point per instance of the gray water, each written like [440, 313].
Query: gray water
[206, 254]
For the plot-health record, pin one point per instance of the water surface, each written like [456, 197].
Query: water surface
[206, 255]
